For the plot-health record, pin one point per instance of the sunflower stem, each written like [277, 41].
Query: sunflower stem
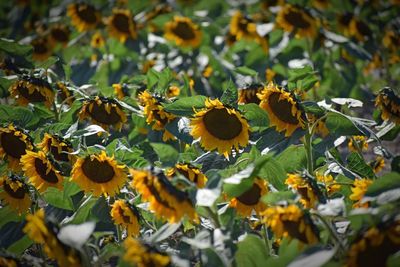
[119, 233]
[308, 147]
[264, 233]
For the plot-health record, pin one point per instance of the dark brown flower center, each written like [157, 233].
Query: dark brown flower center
[296, 18]
[40, 47]
[156, 114]
[87, 13]
[97, 171]
[363, 28]
[36, 96]
[58, 156]
[186, 174]
[251, 196]
[249, 96]
[61, 35]
[19, 193]
[184, 31]
[376, 255]
[221, 124]
[12, 145]
[293, 229]
[100, 114]
[121, 23]
[242, 25]
[41, 169]
[303, 191]
[282, 109]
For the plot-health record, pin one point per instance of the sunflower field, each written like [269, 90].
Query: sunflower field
[242, 133]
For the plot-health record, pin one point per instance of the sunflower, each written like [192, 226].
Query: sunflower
[166, 201]
[104, 112]
[282, 108]
[328, 182]
[292, 222]
[251, 199]
[389, 103]
[45, 233]
[183, 32]
[42, 48]
[378, 164]
[32, 90]
[64, 93]
[14, 142]
[391, 40]
[99, 173]
[321, 4]
[121, 25]
[126, 215]
[359, 29]
[41, 171]
[359, 188]
[319, 125]
[343, 23]
[156, 115]
[8, 262]
[83, 16]
[358, 142]
[191, 172]
[220, 127]
[173, 91]
[266, 4]
[304, 188]
[207, 71]
[294, 19]
[57, 146]
[143, 255]
[120, 90]
[249, 94]
[97, 40]
[59, 33]
[15, 193]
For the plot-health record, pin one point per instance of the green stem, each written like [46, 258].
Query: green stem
[308, 147]
[333, 233]
[119, 233]
[264, 233]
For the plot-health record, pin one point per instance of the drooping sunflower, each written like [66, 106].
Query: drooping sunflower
[251, 199]
[64, 94]
[359, 188]
[126, 215]
[144, 255]
[15, 193]
[299, 21]
[304, 188]
[99, 174]
[249, 94]
[97, 40]
[328, 182]
[41, 171]
[389, 103]
[59, 33]
[57, 146]
[166, 201]
[282, 108]
[83, 16]
[183, 32]
[292, 222]
[32, 90]
[14, 142]
[121, 25]
[104, 112]
[220, 128]
[361, 143]
[45, 233]
[191, 172]
[42, 48]
[378, 164]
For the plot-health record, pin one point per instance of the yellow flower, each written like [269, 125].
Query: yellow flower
[42, 48]
[183, 32]
[308, 197]
[15, 193]
[83, 16]
[192, 173]
[32, 90]
[378, 164]
[359, 29]
[14, 142]
[321, 4]
[329, 182]
[359, 188]
[59, 33]
[282, 108]
[104, 112]
[99, 174]
[249, 94]
[251, 199]
[143, 255]
[119, 90]
[64, 94]
[319, 125]
[127, 216]
[121, 25]
[294, 19]
[389, 103]
[166, 201]
[97, 40]
[57, 146]
[207, 72]
[8, 262]
[220, 128]
[361, 143]
[269, 75]
[173, 91]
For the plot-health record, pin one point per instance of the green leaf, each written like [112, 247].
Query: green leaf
[313, 257]
[339, 124]
[395, 165]
[246, 71]
[152, 79]
[239, 182]
[166, 153]
[20, 246]
[164, 232]
[273, 198]
[4, 85]
[271, 170]
[312, 107]
[293, 158]
[7, 214]
[82, 213]
[14, 48]
[256, 116]
[185, 106]
[70, 116]
[357, 164]
[300, 73]
[47, 63]
[62, 199]
[252, 252]
[19, 115]
[230, 94]
[164, 78]
[288, 250]
[386, 182]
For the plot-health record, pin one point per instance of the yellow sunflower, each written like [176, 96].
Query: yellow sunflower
[183, 32]
[43, 232]
[191, 172]
[57, 146]
[220, 127]
[119, 90]
[59, 33]
[97, 40]
[65, 95]
[319, 125]
[391, 40]
[308, 197]
[282, 108]
[127, 216]
[41, 171]
[329, 183]
[99, 174]
[361, 143]
[15, 193]
[83, 16]
[42, 48]
[249, 94]
[8, 262]
[32, 90]
[299, 21]
[166, 201]
[14, 142]
[251, 199]
[359, 188]
[359, 29]
[104, 112]
[173, 91]
[121, 25]
[378, 164]
[143, 255]
[269, 75]
[389, 103]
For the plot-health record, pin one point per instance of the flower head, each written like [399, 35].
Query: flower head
[126, 215]
[83, 16]
[15, 193]
[32, 90]
[183, 32]
[143, 255]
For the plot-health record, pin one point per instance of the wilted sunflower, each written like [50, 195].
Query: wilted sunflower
[361, 143]
[59, 33]
[297, 20]
[251, 199]
[304, 188]
[104, 112]
[249, 94]
[166, 201]
[15, 193]
[290, 222]
[97, 40]
[282, 108]
[65, 95]
[127, 216]
[220, 127]
[183, 32]
[83, 16]
[32, 90]
[329, 183]
[14, 142]
[41, 171]
[389, 103]
[121, 25]
[99, 174]
[45, 233]
[378, 164]
[144, 255]
[42, 48]
[57, 146]
[359, 188]
[191, 172]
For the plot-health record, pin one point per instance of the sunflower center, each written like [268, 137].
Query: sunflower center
[60, 35]
[39, 47]
[41, 169]
[293, 229]
[121, 23]
[363, 28]
[156, 114]
[35, 96]
[125, 218]
[97, 171]
[242, 25]
[184, 31]
[303, 191]
[282, 109]
[87, 14]
[297, 19]
[100, 114]
[12, 145]
[19, 193]
[58, 156]
[221, 124]
[251, 196]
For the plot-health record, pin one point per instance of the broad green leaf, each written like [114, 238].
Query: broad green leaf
[312, 107]
[166, 153]
[165, 77]
[246, 71]
[257, 117]
[152, 79]
[273, 198]
[70, 115]
[386, 182]
[21, 245]
[313, 257]
[47, 63]
[340, 124]
[271, 170]
[7, 214]
[83, 212]
[252, 252]
[62, 199]
[357, 164]
[240, 182]
[300, 73]
[293, 158]
[186, 106]
[230, 94]
[14, 48]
